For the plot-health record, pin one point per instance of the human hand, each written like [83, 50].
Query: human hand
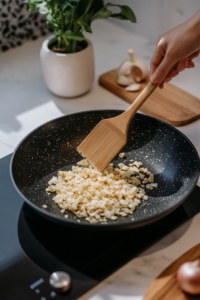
[179, 46]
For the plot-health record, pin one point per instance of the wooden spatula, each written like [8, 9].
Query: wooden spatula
[107, 139]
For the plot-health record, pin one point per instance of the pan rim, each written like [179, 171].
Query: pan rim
[137, 223]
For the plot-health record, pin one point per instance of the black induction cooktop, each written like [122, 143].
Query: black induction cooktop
[31, 248]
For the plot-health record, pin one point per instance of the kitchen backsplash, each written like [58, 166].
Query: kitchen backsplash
[18, 25]
[155, 17]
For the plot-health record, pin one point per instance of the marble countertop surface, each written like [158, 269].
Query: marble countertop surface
[26, 103]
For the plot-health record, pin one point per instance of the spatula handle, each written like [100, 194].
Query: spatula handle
[124, 119]
[143, 96]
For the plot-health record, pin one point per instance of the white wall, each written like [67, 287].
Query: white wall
[157, 16]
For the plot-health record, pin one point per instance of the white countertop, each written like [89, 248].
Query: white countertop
[26, 103]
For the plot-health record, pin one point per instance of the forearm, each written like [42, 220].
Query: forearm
[193, 26]
[179, 45]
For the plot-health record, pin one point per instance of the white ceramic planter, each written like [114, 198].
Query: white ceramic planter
[67, 75]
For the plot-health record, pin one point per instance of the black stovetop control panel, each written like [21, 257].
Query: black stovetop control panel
[24, 280]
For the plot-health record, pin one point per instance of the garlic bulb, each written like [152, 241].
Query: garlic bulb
[133, 69]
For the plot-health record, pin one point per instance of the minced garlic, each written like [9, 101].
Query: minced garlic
[98, 196]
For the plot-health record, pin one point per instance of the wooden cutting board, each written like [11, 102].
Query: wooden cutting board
[171, 104]
[165, 287]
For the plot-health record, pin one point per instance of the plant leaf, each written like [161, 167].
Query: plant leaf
[85, 25]
[86, 9]
[51, 22]
[33, 4]
[85, 22]
[78, 36]
[118, 16]
[126, 13]
[65, 40]
[66, 5]
[43, 9]
[96, 6]
[103, 13]
[83, 7]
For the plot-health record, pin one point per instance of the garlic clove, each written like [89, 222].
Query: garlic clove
[133, 87]
[125, 80]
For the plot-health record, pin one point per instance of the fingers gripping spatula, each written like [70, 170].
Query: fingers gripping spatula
[107, 139]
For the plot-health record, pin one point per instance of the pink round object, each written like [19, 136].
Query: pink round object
[188, 277]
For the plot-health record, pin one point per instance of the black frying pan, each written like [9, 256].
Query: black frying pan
[166, 152]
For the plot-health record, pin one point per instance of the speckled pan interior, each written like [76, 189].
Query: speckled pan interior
[166, 152]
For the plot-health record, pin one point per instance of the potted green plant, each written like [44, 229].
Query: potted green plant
[67, 58]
